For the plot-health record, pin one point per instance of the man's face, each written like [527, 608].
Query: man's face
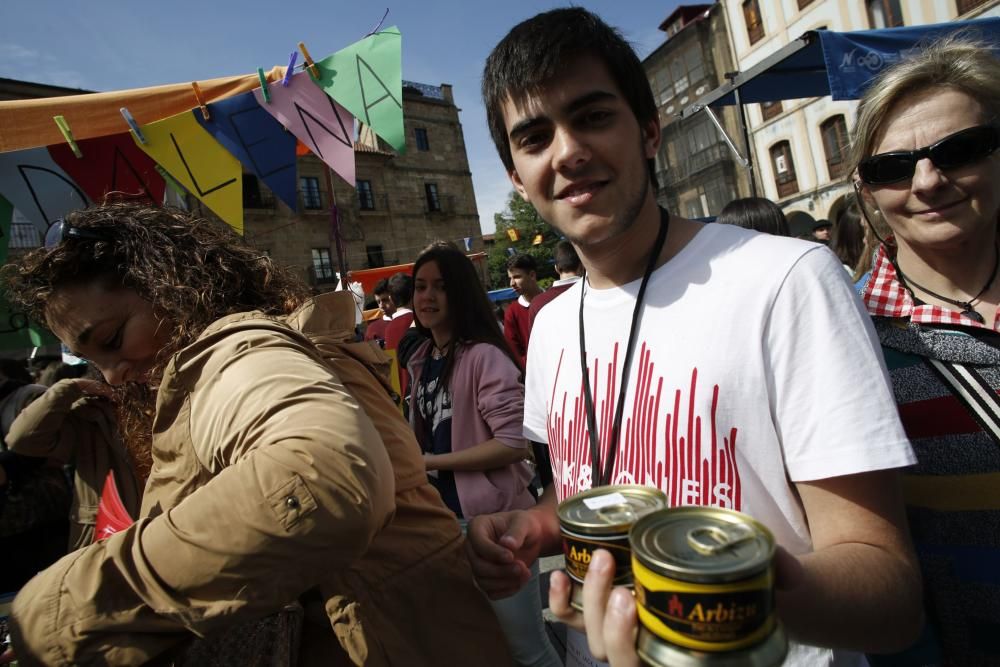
[522, 282]
[822, 233]
[580, 154]
[386, 303]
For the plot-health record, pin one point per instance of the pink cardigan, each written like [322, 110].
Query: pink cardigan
[487, 400]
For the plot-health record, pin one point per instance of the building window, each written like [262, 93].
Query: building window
[366, 198]
[251, 192]
[969, 5]
[834, 133]
[421, 135]
[322, 268]
[755, 26]
[686, 69]
[376, 257]
[431, 192]
[784, 169]
[769, 110]
[311, 197]
[884, 13]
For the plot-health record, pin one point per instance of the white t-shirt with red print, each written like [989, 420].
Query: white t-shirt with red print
[755, 367]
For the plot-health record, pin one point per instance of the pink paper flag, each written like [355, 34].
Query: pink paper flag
[325, 127]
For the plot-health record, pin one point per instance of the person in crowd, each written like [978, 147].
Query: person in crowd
[34, 496]
[467, 408]
[523, 273]
[848, 238]
[74, 423]
[821, 231]
[928, 169]
[757, 213]
[401, 291]
[281, 476]
[716, 337]
[569, 268]
[376, 328]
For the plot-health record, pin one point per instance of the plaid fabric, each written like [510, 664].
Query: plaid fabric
[885, 296]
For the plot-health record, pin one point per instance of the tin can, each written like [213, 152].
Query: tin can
[704, 586]
[600, 519]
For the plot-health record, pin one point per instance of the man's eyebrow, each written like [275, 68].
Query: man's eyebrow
[528, 123]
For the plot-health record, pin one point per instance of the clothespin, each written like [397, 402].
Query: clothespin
[132, 125]
[200, 100]
[290, 69]
[67, 135]
[310, 65]
[263, 85]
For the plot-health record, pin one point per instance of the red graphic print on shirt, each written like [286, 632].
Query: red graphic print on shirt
[664, 442]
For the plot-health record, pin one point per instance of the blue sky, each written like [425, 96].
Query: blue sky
[114, 44]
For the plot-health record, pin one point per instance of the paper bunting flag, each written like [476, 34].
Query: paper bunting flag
[468, 243]
[257, 140]
[38, 187]
[367, 79]
[6, 213]
[325, 127]
[199, 163]
[111, 164]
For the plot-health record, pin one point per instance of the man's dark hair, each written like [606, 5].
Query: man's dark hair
[13, 369]
[523, 262]
[755, 213]
[565, 257]
[381, 287]
[401, 289]
[533, 54]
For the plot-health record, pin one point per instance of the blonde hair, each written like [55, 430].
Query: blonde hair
[961, 61]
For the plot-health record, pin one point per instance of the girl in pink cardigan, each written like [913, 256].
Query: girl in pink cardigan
[466, 407]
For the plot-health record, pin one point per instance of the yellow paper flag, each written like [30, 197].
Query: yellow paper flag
[512, 234]
[198, 162]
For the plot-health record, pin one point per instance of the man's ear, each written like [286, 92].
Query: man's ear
[515, 180]
[651, 137]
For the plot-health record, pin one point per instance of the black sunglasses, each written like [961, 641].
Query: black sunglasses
[956, 150]
[60, 230]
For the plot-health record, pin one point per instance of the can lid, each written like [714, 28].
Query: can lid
[702, 544]
[609, 509]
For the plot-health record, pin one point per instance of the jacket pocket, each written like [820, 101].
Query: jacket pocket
[291, 502]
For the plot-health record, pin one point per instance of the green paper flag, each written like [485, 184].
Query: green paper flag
[6, 214]
[366, 78]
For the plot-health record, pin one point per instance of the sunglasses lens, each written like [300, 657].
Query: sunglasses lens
[964, 147]
[54, 235]
[887, 168]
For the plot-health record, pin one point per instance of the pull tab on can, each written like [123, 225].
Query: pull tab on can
[711, 540]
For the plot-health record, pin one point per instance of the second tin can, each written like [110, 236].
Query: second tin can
[704, 582]
[600, 519]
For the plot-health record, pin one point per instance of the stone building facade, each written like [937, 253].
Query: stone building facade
[401, 203]
[698, 174]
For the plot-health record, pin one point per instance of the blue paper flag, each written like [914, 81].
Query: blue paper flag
[257, 140]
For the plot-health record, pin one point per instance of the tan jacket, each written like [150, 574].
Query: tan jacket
[270, 482]
[71, 427]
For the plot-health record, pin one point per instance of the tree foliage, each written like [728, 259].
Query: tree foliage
[521, 217]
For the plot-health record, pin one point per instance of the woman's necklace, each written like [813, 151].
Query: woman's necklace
[441, 350]
[967, 308]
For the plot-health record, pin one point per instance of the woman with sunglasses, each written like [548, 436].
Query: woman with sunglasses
[467, 409]
[928, 169]
[282, 488]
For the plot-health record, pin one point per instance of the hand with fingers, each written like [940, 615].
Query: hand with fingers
[502, 547]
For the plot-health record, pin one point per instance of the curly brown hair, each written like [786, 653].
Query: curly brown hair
[192, 270]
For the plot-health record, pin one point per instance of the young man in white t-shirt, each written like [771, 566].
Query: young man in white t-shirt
[754, 380]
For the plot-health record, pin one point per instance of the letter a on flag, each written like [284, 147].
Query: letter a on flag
[367, 79]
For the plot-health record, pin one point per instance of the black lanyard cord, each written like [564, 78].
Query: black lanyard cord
[602, 475]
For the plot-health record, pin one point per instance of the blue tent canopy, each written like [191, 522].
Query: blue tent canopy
[839, 64]
[503, 294]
